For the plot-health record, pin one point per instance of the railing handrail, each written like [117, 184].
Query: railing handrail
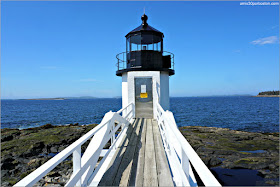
[204, 173]
[40, 172]
[89, 160]
[119, 111]
[53, 162]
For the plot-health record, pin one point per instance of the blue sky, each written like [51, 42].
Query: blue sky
[60, 49]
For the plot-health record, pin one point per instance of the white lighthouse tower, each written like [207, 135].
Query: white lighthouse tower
[145, 69]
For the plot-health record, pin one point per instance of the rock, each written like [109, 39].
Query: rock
[214, 161]
[271, 176]
[7, 138]
[34, 149]
[4, 173]
[224, 152]
[34, 163]
[263, 173]
[61, 148]
[238, 149]
[5, 184]
[271, 182]
[21, 154]
[53, 174]
[272, 166]
[48, 179]
[25, 150]
[8, 164]
[47, 126]
[54, 149]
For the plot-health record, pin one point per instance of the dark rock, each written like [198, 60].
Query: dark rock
[272, 182]
[7, 138]
[34, 149]
[271, 176]
[15, 171]
[4, 173]
[25, 150]
[263, 173]
[259, 166]
[61, 148]
[47, 126]
[214, 161]
[5, 183]
[206, 160]
[272, 166]
[8, 164]
[54, 149]
[53, 174]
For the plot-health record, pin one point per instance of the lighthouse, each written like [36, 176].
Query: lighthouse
[145, 69]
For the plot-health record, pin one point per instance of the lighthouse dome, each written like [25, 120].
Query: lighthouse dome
[145, 28]
[144, 51]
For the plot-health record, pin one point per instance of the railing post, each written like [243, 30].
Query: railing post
[113, 135]
[118, 64]
[133, 109]
[185, 164]
[77, 162]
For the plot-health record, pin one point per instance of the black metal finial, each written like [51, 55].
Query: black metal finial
[144, 19]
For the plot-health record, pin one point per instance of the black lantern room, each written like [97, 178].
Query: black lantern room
[144, 51]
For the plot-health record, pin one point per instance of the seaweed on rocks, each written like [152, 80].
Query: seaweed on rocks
[232, 150]
[23, 151]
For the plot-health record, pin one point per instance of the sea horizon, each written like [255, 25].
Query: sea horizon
[245, 113]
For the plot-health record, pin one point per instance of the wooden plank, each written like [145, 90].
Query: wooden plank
[150, 170]
[144, 110]
[124, 171]
[137, 169]
[163, 171]
[129, 132]
[110, 174]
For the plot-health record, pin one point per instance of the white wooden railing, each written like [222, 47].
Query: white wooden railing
[180, 153]
[85, 172]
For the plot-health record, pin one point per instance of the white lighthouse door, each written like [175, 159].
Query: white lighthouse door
[143, 97]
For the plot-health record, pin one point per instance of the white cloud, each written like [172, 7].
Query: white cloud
[267, 40]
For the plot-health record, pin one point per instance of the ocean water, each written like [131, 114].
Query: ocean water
[238, 113]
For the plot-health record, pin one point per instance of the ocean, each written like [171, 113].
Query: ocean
[253, 114]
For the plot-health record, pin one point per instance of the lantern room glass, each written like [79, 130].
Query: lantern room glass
[144, 41]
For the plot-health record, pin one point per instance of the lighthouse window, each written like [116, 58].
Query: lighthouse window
[144, 41]
[157, 43]
[128, 45]
[135, 42]
[157, 46]
[147, 42]
[144, 47]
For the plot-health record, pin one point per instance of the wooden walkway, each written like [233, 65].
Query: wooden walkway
[140, 159]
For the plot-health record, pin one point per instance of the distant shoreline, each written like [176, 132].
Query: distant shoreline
[267, 96]
[47, 99]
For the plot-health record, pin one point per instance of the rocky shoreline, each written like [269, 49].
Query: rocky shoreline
[267, 96]
[226, 152]
[23, 151]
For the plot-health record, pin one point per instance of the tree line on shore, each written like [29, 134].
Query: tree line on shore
[269, 93]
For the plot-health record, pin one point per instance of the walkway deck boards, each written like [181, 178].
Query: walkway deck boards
[140, 159]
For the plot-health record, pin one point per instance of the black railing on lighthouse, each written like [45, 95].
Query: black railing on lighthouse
[126, 63]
